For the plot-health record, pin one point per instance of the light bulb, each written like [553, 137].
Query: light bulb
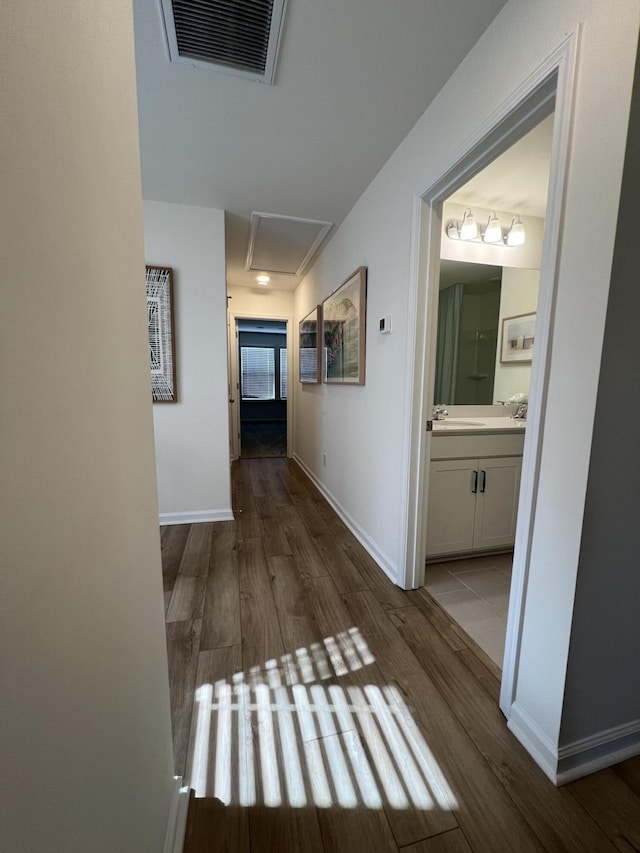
[493, 231]
[453, 230]
[469, 227]
[515, 237]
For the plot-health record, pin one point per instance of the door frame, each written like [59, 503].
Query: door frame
[550, 88]
[234, 377]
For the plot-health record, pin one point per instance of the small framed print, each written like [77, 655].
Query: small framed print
[518, 338]
[310, 347]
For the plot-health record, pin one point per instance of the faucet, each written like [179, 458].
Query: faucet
[439, 412]
[520, 413]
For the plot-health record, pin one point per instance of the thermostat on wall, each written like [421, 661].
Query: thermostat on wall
[385, 325]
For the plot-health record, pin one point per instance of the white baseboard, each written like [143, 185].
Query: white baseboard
[363, 538]
[594, 753]
[195, 516]
[177, 823]
[577, 759]
[534, 740]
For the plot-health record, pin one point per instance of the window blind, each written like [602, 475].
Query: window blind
[283, 374]
[258, 373]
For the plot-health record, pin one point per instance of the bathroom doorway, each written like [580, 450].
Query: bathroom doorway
[487, 304]
[548, 90]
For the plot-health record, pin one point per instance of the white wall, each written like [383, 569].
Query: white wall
[85, 727]
[366, 431]
[359, 427]
[192, 435]
[518, 295]
[606, 629]
[260, 302]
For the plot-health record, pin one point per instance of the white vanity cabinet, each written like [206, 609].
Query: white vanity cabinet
[473, 500]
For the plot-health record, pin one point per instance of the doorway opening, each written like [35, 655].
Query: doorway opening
[487, 306]
[260, 366]
[549, 89]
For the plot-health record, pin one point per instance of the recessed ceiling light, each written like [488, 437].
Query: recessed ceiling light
[263, 280]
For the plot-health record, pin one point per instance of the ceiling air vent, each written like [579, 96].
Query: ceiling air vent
[238, 37]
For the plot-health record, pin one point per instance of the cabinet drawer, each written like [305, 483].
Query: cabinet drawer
[468, 446]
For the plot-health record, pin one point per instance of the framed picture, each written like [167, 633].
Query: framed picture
[518, 336]
[343, 330]
[161, 334]
[310, 350]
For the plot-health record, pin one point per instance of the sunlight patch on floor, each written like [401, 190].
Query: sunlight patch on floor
[275, 737]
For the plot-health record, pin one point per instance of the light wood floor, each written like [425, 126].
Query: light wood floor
[318, 707]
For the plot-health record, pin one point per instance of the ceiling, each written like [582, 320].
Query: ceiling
[518, 180]
[352, 79]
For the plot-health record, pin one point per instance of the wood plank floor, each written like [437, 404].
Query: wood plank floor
[317, 707]
[263, 439]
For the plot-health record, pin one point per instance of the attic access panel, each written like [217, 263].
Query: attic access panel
[284, 244]
[238, 37]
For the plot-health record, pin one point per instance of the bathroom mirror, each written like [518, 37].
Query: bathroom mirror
[473, 300]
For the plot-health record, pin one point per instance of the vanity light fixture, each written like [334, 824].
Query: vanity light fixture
[492, 234]
[515, 237]
[263, 280]
[493, 231]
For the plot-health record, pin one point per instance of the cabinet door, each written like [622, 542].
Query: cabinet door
[497, 502]
[451, 506]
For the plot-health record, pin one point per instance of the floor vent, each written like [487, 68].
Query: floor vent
[239, 37]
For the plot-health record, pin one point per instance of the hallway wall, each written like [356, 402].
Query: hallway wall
[192, 435]
[605, 634]
[366, 431]
[85, 728]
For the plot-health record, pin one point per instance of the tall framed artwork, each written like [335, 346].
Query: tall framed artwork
[162, 359]
[310, 347]
[344, 330]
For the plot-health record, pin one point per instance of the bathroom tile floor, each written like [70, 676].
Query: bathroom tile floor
[475, 593]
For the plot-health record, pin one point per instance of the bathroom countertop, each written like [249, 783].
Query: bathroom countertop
[462, 426]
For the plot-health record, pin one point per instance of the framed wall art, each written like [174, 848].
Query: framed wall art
[518, 336]
[310, 349]
[161, 334]
[343, 331]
